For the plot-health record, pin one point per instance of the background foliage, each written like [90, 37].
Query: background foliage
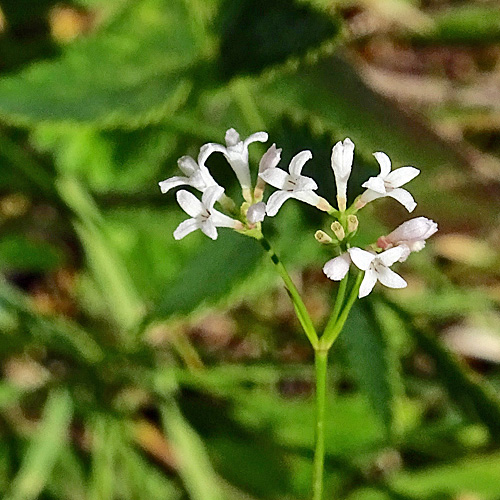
[137, 367]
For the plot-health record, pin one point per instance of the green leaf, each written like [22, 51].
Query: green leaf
[195, 468]
[44, 449]
[373, 363]
[130, 72]
[257, 33]
[212, 273]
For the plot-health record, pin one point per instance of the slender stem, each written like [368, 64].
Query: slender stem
[300, 308]
[321, 363]
[339, 301]
[330, 336]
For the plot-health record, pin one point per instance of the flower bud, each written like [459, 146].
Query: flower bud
[256, 212]
[338, 230]
[322, 237]
[352, 223]
[411, 233]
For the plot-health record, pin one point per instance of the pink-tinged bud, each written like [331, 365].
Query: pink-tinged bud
[411, 234]
[412, 231]
[256, 212]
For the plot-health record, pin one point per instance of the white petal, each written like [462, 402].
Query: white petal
[232, 137]
[298, 161]
[404, 197]
[257, 212]
[337, 268]
[186, 227]
[309, 197]
[189, 203]
[385, 163]
[257, 137]
[389, 278]
[187, 165]
[239, 163]
[275, 177]
[207, 149]
[368, 283]
[270, 158]
[370, 195]
[208, 227]
[275, 201]
[342, 156]
[168, 184]
[401, 176]
[389, 257]
[376, 184]
[201, 179]
[211, 195]
[304, 183]
[361, 258]
[221, 220]
[406, 252]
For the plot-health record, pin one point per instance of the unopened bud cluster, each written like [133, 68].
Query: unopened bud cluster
[248, 216]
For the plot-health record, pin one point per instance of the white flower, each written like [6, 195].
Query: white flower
[236, 153]
[389, 183]
[376, 267]
[292, 185]
[342, 156]
[410, 235]
[204, 216]
[197, 176]
[256, 212]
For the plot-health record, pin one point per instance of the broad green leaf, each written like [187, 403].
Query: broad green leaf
[130, 72]
[212, 273]
[373, 363]
[44, 450]
[195, 468]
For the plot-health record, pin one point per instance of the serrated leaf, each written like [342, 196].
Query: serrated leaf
[132, 71]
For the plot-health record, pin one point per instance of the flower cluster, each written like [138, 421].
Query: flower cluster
[375, 261]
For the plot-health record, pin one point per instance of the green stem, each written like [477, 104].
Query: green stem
[321, 364]
[300, 308]
[330, 336]
[339, 301]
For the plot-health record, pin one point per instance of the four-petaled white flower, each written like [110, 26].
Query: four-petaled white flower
[197, 176]
[376, 267]
[236, 153]
[292, 185]
[410, 235]
[204, 216]
[342, 156]
[389, 183]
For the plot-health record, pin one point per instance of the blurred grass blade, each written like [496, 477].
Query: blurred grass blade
[473, 395]
[55, 332]
[194, 466]
[45, 448]
[107, 266]
[104, 442]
